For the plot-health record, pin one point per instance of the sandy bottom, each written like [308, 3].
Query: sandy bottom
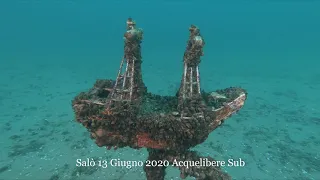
[276, 134]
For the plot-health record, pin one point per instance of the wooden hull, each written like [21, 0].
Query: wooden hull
[144, 140]
[155, 130]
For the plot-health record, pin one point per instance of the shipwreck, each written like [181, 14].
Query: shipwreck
[122, 113]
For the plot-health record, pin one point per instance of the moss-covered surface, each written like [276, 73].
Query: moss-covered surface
[151, 114]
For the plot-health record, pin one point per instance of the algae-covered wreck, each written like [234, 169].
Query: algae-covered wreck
[122, 113]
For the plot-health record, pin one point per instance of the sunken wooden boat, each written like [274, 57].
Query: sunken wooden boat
[157, 124]
[122, 113]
